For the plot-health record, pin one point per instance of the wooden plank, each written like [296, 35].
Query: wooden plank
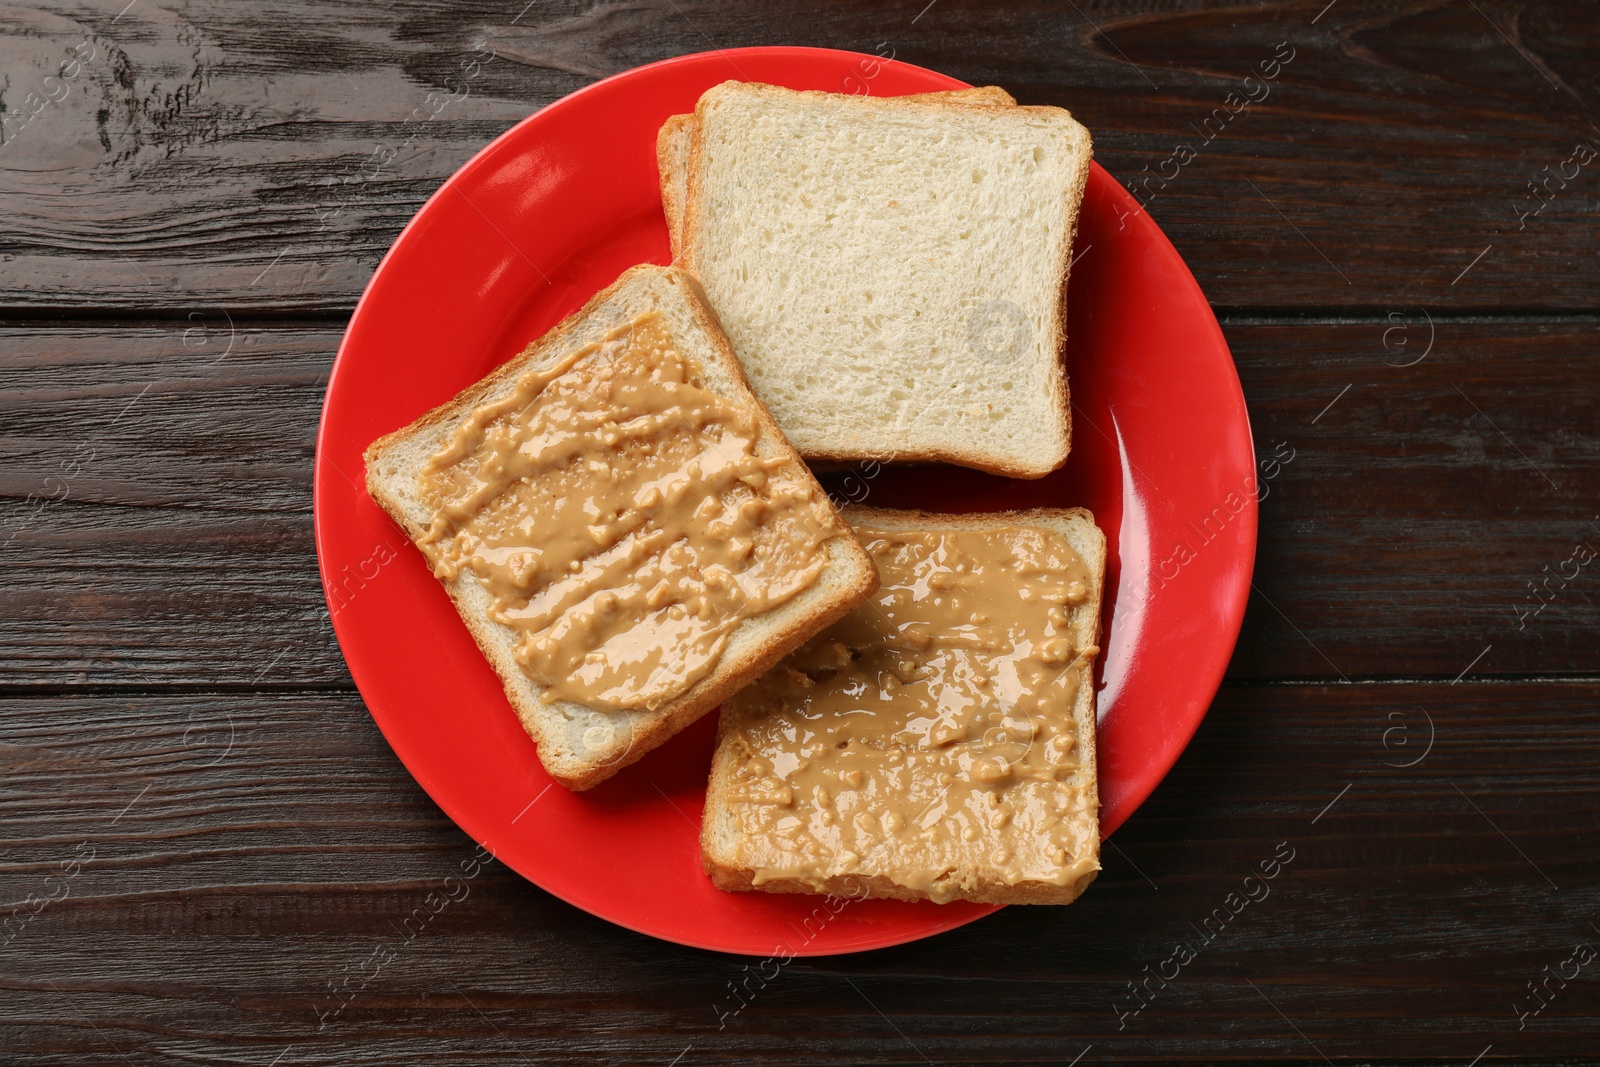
[168, 538]
[238, 855]
[158, 506]
[1432, 495]
[265, 156]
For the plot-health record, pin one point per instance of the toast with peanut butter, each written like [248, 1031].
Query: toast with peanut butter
[621, 525]
[937, 743]
[677, 135]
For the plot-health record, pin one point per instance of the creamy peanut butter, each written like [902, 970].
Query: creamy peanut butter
[928, 737]
[622, 519]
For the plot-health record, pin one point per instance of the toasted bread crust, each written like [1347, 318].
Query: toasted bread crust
[734, 670]
[727, 874]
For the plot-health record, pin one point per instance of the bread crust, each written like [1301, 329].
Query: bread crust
[878, 887]
[671, 178]
[735, 669]
[684, 251]
[727, 874]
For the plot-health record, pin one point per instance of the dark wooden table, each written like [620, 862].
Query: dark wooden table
[204, 834]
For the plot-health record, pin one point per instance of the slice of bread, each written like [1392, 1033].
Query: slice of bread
[677, 133]
[892, 273]
[758, 763]
[581, 746]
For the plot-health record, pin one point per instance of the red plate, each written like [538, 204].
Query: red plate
[552, 212]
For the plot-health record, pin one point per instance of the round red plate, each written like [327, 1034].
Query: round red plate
[552, 212]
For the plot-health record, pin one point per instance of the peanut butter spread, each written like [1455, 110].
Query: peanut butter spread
[928, 737]
[622, 520]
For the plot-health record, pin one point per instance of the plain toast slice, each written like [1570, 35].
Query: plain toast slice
[892, 273]
[581, 745]
[817, 771]
[676, 136]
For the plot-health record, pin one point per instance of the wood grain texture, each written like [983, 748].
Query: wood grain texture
[264, 156]
[251, 850]
[204, 838]
[181, 551]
